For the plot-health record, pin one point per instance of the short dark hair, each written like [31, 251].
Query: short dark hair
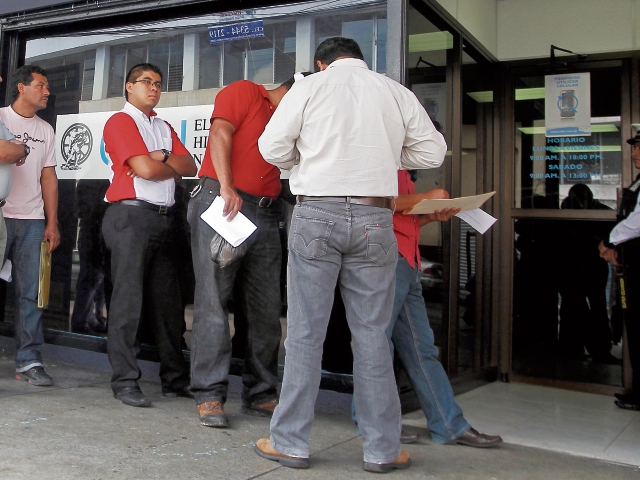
[137, 70]
[24, 75]
[335, 47]
[289, 83]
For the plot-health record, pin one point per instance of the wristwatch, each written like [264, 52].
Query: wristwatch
[27, 149]
[166, 154]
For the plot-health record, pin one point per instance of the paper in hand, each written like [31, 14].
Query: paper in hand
[236, 231]
[478, 219]
[5, 273]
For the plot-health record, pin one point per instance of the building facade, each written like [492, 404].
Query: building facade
[479, 67]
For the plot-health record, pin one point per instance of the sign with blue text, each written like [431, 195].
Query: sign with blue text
[226, 33]
[567, 105]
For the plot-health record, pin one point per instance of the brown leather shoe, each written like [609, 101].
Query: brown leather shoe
[408, 437]
[212, 414]
[261, 409]
[403, 461]
[265, 450]
[473, 438]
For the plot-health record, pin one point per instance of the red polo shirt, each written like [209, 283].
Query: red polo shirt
[406, 227]
[246, 105]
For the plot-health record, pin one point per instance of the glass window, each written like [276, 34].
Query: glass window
[284, 60]
[234, 56]
[210, 62]
[260, 57]
[546, 168]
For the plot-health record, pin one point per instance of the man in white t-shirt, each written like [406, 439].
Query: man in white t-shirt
[34, 192]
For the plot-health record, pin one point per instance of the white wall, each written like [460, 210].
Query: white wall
[526, 28]
[478, 17]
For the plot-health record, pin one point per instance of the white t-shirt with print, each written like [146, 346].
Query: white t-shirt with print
[25, 198]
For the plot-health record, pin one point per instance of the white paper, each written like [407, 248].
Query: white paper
[478, 219]
[236, 231]
[5, 273]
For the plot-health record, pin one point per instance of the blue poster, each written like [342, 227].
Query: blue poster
[226, 33]
[567, 105]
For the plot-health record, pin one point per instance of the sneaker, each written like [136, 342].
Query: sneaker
[35, 376]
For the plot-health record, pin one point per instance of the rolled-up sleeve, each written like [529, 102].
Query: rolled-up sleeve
[423, 146]
[277, 144]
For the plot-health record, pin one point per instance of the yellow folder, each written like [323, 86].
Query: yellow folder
[44, 275]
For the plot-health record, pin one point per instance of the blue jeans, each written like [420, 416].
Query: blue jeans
[354, 245]
[23, 249]
[210, 338]
[411, 335]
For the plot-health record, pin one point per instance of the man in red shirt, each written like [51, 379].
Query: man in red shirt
[234, 169]
[146, 157]
[410, 333]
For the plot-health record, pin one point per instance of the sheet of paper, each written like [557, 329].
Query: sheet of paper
[5, 273]
[465, 203]
[236, 231]
[478, 219]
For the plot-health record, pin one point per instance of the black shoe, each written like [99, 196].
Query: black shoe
[627, 405]
[182, 392]
[96, 324]
[36, 376]
[627, 397]
[132, 396]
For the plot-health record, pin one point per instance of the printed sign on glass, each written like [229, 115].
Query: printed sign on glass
[567, 105]
[225, 33]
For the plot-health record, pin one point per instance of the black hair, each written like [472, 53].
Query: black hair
[24, 75]
[289, 83]
[137, 70]
[335, 47]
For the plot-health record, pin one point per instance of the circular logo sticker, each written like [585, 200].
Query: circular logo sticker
[76, 145]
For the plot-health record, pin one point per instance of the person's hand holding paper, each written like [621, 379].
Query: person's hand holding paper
[234, 231]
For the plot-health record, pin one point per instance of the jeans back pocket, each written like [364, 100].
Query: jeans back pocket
[310, 236]
[382, 246]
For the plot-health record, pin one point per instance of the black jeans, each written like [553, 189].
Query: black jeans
[211, 343]
[144, 278]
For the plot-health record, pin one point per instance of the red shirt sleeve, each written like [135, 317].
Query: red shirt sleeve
[122, 140]
[234, 101]
[177, 148]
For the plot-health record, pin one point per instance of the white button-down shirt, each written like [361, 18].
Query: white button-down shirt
[347, 131]
[628, 228]
[156, 135]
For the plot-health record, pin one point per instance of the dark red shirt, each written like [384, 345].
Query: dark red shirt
[247, 107]
[406, 227]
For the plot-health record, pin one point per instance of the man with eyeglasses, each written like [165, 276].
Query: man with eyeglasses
[623, 251]
[31, 213]
[146, 157]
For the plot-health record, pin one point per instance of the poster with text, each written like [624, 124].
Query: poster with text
[80, 150]
[567, 105]
[433, 97]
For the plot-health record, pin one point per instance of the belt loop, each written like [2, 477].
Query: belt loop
[196, 189]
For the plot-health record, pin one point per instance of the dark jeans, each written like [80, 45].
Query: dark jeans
[260, 267]
[631, 315]
[144, 277]
[23, 249]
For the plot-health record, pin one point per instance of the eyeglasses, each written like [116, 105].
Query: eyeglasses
[149, 83]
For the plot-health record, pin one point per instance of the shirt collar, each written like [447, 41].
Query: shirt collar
[135, 111]
[349, 62]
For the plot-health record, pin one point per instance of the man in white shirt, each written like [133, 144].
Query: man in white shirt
[344, 133]
[623, 251]
[34, 193]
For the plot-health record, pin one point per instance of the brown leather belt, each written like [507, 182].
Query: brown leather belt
[382, 202]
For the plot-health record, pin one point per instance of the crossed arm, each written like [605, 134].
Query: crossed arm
[151, 167]
[12, 151]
